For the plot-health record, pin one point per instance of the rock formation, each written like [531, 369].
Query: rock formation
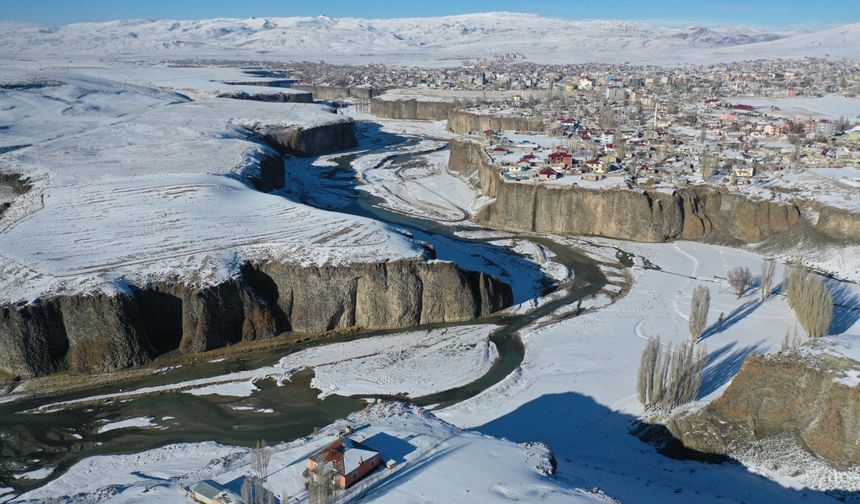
[100, 332]
[464, 122]
[311, 141]
[337, 92]
[778, 395]
[96, 332]
[410, 108]
[697, 213]
[269, 97]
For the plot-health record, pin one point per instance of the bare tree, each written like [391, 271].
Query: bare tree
[253, 491]
[811, 301]
[699, 306]
[796, 142]
[709, 165]
[740, 279]
[687, 364]
[320, 484]
[260, 457]
[671, 377]
[648, 382]
[792, 340]
[768, 266]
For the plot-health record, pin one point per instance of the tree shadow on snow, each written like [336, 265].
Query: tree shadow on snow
[723, 364]
[594, 447]
[735, 316]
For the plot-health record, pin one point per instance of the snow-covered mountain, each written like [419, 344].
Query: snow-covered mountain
[418, 39]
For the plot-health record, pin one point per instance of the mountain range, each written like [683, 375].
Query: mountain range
[436, 40]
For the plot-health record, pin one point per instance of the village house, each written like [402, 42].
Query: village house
[560, 158]
[547, 174]
[211, 492]
[348, 460]
[743, 171]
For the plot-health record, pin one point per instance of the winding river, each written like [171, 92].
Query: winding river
[276, 413]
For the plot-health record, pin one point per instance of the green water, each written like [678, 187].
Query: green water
[61, 438]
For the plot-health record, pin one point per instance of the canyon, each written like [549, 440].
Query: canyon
[95, 331]
[652, 216]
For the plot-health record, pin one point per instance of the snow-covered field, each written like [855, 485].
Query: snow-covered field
[422, 186]
[435, 462]
[574, 391]
[415, 362]
[137, 423]
[833, 187]
[412, 363]
[583, 371]
[829, 106]
[428, 41]
[105, 154]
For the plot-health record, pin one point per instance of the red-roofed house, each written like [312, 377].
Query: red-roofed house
[547, 174]
[349, 460]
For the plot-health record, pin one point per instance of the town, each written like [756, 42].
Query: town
[384, 255]
[752, 127]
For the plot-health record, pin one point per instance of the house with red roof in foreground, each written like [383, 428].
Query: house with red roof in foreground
[349, 461]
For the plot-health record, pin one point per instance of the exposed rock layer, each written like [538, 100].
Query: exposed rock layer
[839, 223]
[99, 332]
[463, 122]
[311, 141]
[337, 92]
[651, 216]
[776, 395]
[269, 97]
[410, 108]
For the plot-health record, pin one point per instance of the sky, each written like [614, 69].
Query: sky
[802, 14]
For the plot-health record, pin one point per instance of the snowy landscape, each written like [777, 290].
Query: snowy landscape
[434, 40]
[217, 286]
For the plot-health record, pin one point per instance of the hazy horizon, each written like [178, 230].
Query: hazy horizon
[768, 14]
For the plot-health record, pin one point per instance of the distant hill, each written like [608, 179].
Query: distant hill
[423, 40]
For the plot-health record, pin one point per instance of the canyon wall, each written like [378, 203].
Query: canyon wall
[311, 141]
[698, 213]
[410, 108]
[100, 332]
[337, 92]
[96, 332]
[779, 395]
[839, 223]
[269, 97]
[463, 122]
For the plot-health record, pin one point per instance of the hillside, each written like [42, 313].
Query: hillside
[427, 40]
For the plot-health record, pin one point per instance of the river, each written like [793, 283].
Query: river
[275, 413]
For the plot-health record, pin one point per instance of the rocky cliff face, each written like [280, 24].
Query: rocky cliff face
[95, 332]
[462, 122]
[411, 109]
[98, 332]
[690, 214]
[839, 224]
[336, 92]
[782, 394]
[311, 141]
[270, 97]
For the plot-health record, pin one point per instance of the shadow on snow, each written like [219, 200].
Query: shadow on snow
[594, 448]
